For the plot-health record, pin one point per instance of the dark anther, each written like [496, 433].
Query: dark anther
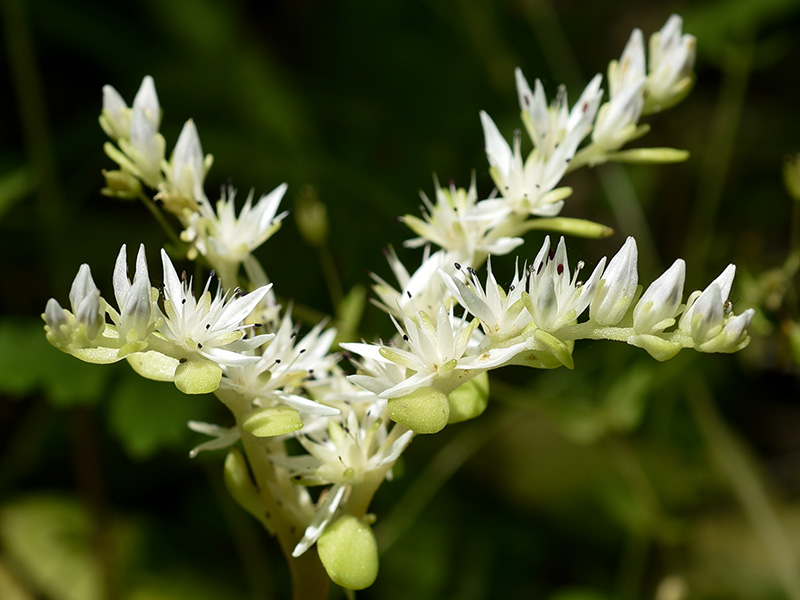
[457, 266]
[560, 269]
[199, 345]
[183, 360]
[405, 337]
[551, 254]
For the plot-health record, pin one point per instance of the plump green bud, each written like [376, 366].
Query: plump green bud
[197, 376]
[791, 176]
[311, 217]
[425, 410]
[349, 553]
[269, 422]
[121, 184]
[241, 487]
[470, 399]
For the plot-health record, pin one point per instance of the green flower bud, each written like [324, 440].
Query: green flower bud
[240, 486]
[470, 399]
[791, 176]
[197, 376]
[425, 410]
[311, 217]
[121, 184]
[349, 553]
[269, 422]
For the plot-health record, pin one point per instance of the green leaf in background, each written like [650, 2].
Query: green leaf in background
[148, 416]
[48, 539]
[29, 364]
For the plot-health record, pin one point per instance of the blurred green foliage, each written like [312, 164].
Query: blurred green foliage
[623, 479]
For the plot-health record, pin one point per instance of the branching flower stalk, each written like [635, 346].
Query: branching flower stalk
[230, 336]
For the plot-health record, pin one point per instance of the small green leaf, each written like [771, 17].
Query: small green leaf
[147, 416]
[28, 363]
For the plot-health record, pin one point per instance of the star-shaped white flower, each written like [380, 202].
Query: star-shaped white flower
[212, 326]
[227, 239]
[555, 297]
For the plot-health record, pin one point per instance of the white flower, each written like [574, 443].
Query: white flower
[556, 298]
[212, 327]
[617, 118]
[432, 350]
[138, 313]
[87, 305]
[223, 437]
[710, 321]
[423, 290]
[187, 168]
[672, 56]
[501, 313]
[453, 224]
[555, 127]
[617, 286]
[115, 118]
[282, 370]
[350, 452]
[146, 147]
[526, 187]
[659, 304]
[227, 239]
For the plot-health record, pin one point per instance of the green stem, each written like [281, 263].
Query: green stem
[737, 467]
[159, 217]
[446, 462]
[719, 150]
[309, 578]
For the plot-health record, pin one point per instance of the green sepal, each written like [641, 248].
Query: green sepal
[561, 351]
[269, 422]
[153, 365]
[425, 410]
[98, 356]
[577, 227]
[241, 487]
[642, 156]
[131, 348]
[470, 399]
[121, 184]
[657, 347]
[197, 376]
[349, 552]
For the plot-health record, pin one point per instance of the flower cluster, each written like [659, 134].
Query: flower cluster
[287, 391]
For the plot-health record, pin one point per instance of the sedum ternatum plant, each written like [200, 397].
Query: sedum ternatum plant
[226, 333]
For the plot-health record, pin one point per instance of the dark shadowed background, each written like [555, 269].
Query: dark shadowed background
[623, 479]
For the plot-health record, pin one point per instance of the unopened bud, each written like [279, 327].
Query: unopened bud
[425, 410]
[311, 217]
[121, 184]
[349, 553]
[470, 399]
[269, 422]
